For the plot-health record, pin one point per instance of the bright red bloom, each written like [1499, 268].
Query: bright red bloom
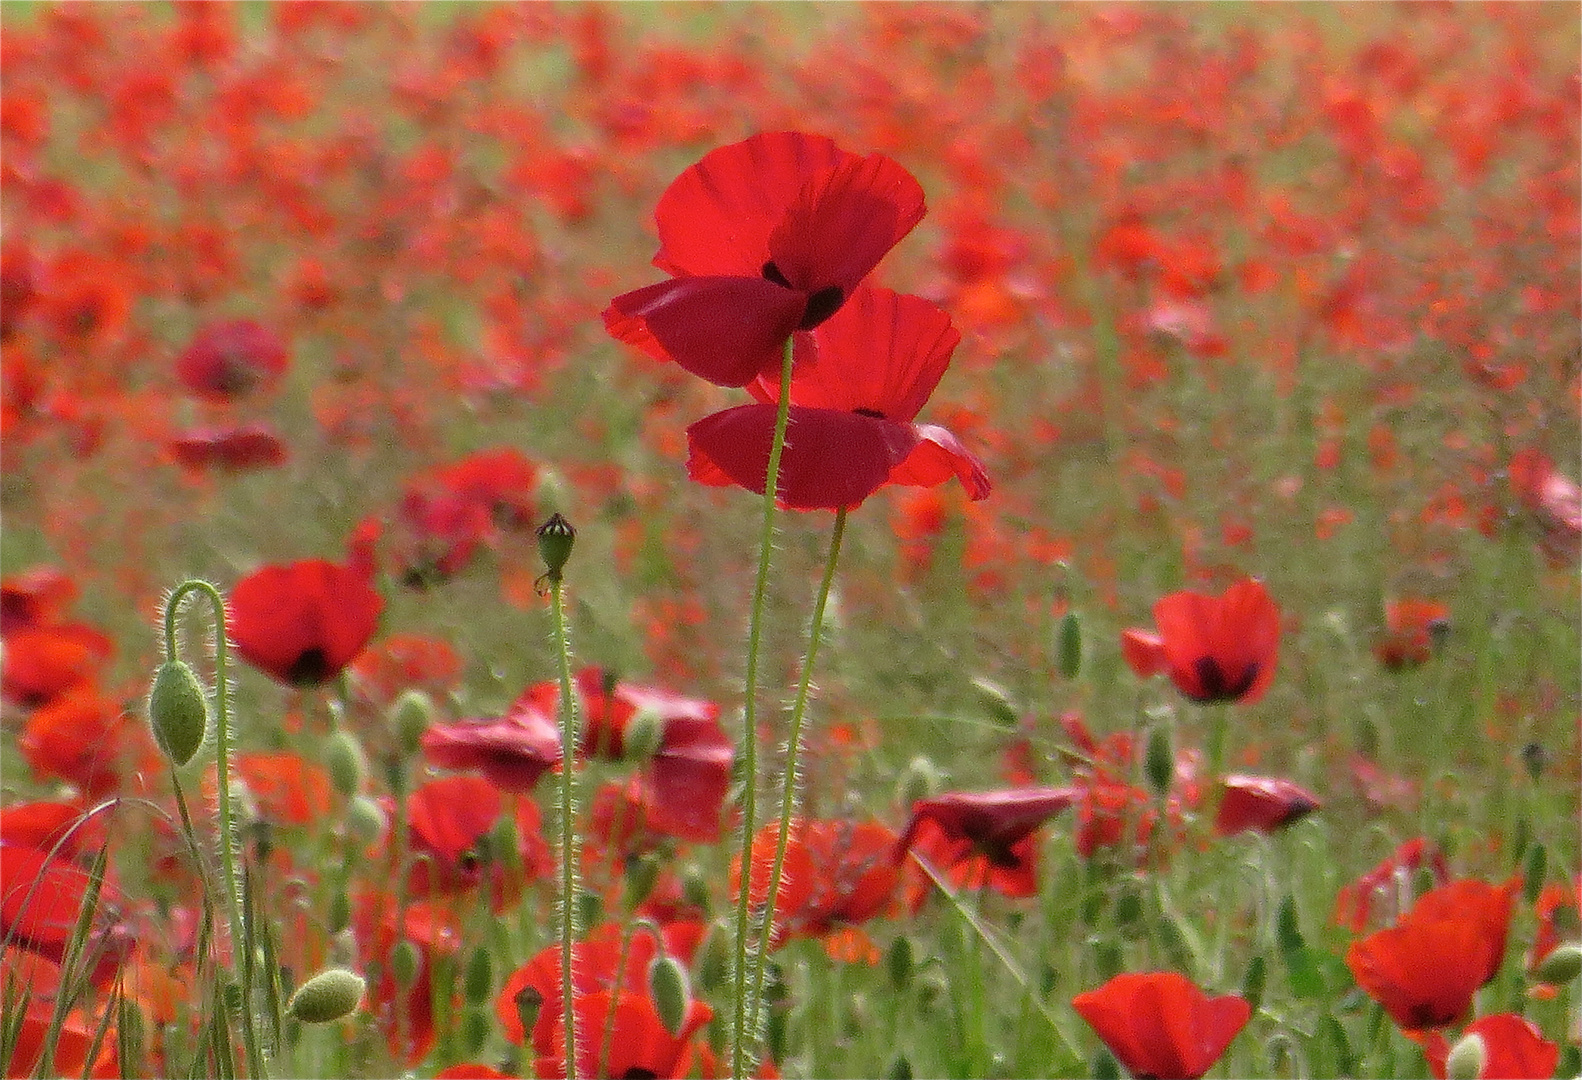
[302, 623]
[1159, 1024]
[1425, 969]
[1144, 652]
[984, 837]
[837, 874]
[1261, 803]
[448, 513]
[90, 740]
[1411, 626]
[286, 787]
[862, 379]
[44, 662]
[250, 446]
[228, 360]
[513, 750]
[1354, 902]
[763, 238]
[452, 820]
[639, 1044]
[41, 896]
[1514, 1049]
[1220, 648]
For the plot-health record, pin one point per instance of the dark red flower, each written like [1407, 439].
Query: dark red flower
[448, 513]
[41, 896]
[984, 838]
[1261, 804]
[302, 623]
[250, 446]
[1513, 1047]
[1220, 648]
[1159, 1024]
[836, 875]
[763, 238]
[513, 750]
[861, 380]
[639, 1044]
[228, 360]
[1411, 626]
[1425, 969]
[35, 597]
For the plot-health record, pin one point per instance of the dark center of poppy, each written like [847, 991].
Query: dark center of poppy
[875, 413]
[1216, 685]
[234, 372]
[820, 305]
[637, 1072]
[310, 668]
[83, 318]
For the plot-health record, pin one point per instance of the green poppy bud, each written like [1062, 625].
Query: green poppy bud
[330, 995]
[178, 710]
[410, 717]
[900, 961]
[404, 963]
[1069, 642]
[996, 701]
[475, 1031]
[478, 981]
[643, 735]
[1560, 966]
[365, 819]
[345, 762]
[1160, 760]
[1466, 1058]
[695, 887]
[667, 985]
[556, 538]
[921, 779]
[642, 873]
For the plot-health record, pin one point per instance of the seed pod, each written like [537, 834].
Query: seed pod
[1560, 966]
[329, 995]
[667, 985]
[178, 711]
[556, 538]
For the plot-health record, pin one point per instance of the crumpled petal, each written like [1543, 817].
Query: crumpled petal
[727, 330]
[937, 457]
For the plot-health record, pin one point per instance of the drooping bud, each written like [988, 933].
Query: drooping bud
[667, 985]
[178, 711]
[921, 779]
[365, 819]
[556, 538]
[1466, 1058]
[410, 717]
[345, 762]
[642, 873]
[329, 995]
[643, 735]
[996, 701]
[1561, 966]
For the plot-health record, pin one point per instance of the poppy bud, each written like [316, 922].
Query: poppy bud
[590, 909]
[715, 964]
[178, 712]
[996, 702]
[1466, 1058]
[411, 716]
[329, 995]
[1560, 966]
[899, 962]
[1535, 757]
[555, 540]
[642, 872]
[479, 978]
[475, 1030]
[921, 779]
[365, 820]
[642, 737]
[667, 985]
[1070, 646]
[529, 1003]
[695, 887]
[340, 915]
[404, 962]
[344, 759]
[1534, 869]
[1160, 760]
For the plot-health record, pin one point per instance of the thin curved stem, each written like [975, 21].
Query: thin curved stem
[743, 1040]
[793, 749]
[567, 798]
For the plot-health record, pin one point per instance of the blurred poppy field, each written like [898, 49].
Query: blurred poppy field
[1198, 687]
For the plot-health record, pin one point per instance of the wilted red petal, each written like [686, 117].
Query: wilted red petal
[248, 447]
[727, 330]
[1514, 1049]
[513, 751]
[230, 359]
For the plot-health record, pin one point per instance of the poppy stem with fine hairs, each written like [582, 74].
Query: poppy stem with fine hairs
[793, 748]
[744, 1038]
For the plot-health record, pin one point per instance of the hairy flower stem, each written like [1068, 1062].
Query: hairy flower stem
[788, 791]
[744, 1039]
[241, 939]
[566, 797]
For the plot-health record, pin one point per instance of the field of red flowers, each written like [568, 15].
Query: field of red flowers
[1163, 657]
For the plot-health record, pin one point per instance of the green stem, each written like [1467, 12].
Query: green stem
[566, 796]
[241, 941]
[744, 1041]
[793, 747]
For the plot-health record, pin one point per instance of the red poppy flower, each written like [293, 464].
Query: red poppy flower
[1425, 969]
[836, 875]
[228, 360]
[860, 382]
[984, 838]
[44, 662]
[1513, 1048]
[448, 513]
[285, 787]
[1144, 652]
[304, 622]
[1160, 1025]
[1261, 804]
[1555, 502]
[1556, 903]
[90, 740]
[251, 446]
[1411, 628]
[1354, 902]
[513, 750]
[1111, 811]
[763, 238]
[1220, 648]
[35, 597]
[41, 896]
[451, 821]
[639, 1043]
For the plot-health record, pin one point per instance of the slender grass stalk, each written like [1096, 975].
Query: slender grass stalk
[793, 748]
[241, 940]
[744, 1040]
[566, 796]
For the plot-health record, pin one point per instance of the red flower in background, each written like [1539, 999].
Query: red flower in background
[448, 513]
[1354, 903]
[91, 741]
[42, 663]
[1412, 626]
[1514, 1049]
[1159, 1024]
[1557, 904]
[452, 821]
[250, 446]
[639, 1043]
[1555, 502]
[512, 751]
[984, 838]
[228, 360]
[302, 623]
[1218, 648]
[1261, 804]
[863, 378]
[35, 597]
[41, 896]
[837, 875]
[1425, 969]
[763, 238]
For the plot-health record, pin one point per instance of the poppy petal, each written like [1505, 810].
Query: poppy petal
[937, 457]
[882, 351]
[727, 330]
